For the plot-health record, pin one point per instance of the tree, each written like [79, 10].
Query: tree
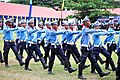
[91, 8]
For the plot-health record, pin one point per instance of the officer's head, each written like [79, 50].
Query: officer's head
[31, 23]
[23, 23]
[71, 25]
[40, 25]
[9, 22]
[65, 24]
[86, 21]
[96, 25]
[54, 25]
[111, 24]
[48, 24]
[19, 24]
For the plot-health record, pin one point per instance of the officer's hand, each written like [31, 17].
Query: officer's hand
[39, 42]
[16, 28]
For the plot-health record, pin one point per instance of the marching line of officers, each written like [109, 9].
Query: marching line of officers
[30, 38]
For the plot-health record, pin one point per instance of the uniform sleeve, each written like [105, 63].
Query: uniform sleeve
[105, 41]
[100, 33]
[57, 33]
[41, 31]
[78, 36]
[9, 29]
[74, 32]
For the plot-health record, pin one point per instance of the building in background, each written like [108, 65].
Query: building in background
[4, 0]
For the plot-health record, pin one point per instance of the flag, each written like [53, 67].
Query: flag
[62, 5]
[30, 10]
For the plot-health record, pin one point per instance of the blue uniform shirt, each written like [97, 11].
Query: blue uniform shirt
[32, 34]
[96, 38]
[110, 38]
[46, 36]
[64, 36]
[118, 41]
[70, 35]
[40, 35]
[53, 36]
[18, 33]
[22, 33]
[8, 33]
[85, 40]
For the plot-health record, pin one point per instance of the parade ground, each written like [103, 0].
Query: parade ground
[16, 72]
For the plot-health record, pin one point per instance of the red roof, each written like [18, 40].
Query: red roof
[115, 11]
[10, 9]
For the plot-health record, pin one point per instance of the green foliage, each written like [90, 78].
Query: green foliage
[90, 8]
[20, 1]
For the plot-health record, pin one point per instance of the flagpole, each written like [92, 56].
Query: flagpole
[30, 10]
[62, 11]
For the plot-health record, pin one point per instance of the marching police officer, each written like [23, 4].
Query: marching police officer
[22, 39]
[110, 40]
[86, 49]
[118, 62]
[1, 58]
[18, 36]
[98, 48]
[67, 36]
[40, 36]
[33, 46]
[57, 50]
[47, 43]
[10, 43]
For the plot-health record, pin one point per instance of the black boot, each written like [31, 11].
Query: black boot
[112, 64]
[76, 59]
[51, 73]
[35, 57]
[26, 65]
[50, 67]
[6, 60]
[101, 74]
[1, 60]
[62, 62]
[43, 63]
[19, 58]
[85, 66]
[80, 69]
[6, 65]
[67, 64]
[107, 64]
[92, 69]
[100, 59]
[117, 74]
[45, 58]
[81, 77]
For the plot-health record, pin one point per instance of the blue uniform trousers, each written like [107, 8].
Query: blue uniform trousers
[86, 52]
[41, 44]
[118, 65]
[18, 44]
[103, 51]
[110, 48]
[55, 51]
[47, 50]
[72, 49]
[22, 47]
[7, 46]
[31, 48]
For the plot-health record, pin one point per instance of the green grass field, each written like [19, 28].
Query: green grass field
[16, 72]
